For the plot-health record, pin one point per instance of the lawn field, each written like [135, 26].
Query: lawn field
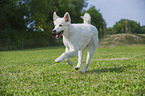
[114, 71]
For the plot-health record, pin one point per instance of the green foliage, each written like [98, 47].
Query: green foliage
[97, 20]
[115, 71]
[142, 30]
[16, 15]
[125, 26]
[74, 7]
[12, 15]
[40, 11]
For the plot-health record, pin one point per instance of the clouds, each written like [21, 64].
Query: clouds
[114, 10]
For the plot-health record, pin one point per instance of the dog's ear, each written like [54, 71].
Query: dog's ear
[67, 17]
[55, 16]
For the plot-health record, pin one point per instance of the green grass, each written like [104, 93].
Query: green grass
[115, 71]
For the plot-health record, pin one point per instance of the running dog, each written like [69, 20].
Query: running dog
[76, 38]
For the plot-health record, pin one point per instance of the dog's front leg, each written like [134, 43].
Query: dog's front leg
[69, 54]
[80, 58]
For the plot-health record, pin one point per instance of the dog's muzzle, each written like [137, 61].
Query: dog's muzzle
[58, 35]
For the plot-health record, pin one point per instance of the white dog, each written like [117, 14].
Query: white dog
[76, 38]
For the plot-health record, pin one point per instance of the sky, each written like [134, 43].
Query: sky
[115, 10]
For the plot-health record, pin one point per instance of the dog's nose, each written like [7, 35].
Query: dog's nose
[53, 31]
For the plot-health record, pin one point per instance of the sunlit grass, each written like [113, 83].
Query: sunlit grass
[113, 71]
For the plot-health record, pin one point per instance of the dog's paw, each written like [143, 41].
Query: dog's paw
[57, 60]
[76, 68]
[83, 71]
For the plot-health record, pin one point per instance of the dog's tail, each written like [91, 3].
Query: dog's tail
[87, 18]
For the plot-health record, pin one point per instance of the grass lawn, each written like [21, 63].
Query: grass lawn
[114, 71]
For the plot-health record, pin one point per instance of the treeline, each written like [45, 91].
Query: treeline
[126, 26]
[28, 23]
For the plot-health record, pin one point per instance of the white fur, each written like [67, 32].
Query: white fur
[87, 18]
[76, 38]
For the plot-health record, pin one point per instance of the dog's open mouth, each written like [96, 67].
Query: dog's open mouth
[58, 35]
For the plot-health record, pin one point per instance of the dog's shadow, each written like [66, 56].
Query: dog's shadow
[115, 69]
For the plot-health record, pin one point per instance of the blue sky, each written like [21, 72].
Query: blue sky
[115, 10]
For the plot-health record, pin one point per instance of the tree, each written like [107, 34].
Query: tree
[97, 20]
[74, 7]
[142, 30]
[12, 15]
[20, 18]
[126, 26]
[41, 11]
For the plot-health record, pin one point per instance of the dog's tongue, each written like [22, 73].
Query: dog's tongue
[58, 35]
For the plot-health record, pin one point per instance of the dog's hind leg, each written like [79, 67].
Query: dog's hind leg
[91, 50]
[69, 62]
[80, 59]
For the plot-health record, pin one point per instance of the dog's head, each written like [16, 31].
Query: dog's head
[61, 24]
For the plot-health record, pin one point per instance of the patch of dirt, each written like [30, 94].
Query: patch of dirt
[121, 39]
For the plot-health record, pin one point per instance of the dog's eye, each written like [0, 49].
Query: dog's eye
[60, 25]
